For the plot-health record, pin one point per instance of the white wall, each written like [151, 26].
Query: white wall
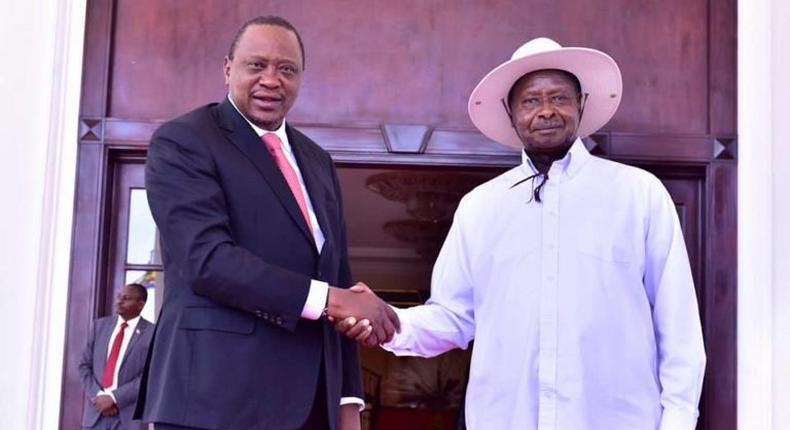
[763, 214]
[780, 101]
[40, 65]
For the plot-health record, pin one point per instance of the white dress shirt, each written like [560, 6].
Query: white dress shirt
[127, 336]
[319, 290]
[582, 307]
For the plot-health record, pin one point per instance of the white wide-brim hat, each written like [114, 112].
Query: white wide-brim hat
[597, 72]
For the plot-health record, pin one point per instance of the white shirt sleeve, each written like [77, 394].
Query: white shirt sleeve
[446, 321]
[353, 401]
[316, 300]
[678, 332]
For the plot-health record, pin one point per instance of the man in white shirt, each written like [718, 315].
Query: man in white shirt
[112, 363]
[569, 271]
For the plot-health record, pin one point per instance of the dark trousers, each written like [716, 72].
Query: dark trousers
[318, 419]
[107, 423]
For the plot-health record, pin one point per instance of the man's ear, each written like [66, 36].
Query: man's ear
[226, 69]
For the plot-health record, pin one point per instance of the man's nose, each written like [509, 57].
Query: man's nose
[269, 77]
[546, 110]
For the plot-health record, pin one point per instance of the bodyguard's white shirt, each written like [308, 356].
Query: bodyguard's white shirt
[582, 307]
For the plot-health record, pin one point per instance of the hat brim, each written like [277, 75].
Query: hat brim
[598, 75]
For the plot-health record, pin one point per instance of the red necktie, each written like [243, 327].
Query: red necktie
[275, 147]
[112, 360]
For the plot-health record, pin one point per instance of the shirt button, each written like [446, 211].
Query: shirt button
[550, 278]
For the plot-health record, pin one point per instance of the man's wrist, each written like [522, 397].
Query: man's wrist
[332, 307]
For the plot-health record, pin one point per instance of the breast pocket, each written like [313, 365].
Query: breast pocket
[610, 237]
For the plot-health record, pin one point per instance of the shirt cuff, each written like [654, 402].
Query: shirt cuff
[107, 393]
[353, 401]
[678, 419]
[316, 300]
[399, 344]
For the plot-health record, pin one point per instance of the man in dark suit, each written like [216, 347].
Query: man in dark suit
[255, 256]
[113, 361]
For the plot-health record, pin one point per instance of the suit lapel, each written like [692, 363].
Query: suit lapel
[244, 138]
[103, 342]
[135, 335]
[311, 169]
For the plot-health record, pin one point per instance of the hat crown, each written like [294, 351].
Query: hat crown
[535, 46]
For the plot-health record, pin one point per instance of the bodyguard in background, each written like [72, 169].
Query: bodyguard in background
[113, 361]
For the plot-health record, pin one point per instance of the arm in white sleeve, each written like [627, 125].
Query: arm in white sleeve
[446, 321]
[670, 288]
[316, 300]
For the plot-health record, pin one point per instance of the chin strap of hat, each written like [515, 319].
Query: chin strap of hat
[584, 97]
[535, 193]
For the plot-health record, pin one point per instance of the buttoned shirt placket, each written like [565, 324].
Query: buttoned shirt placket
[547, 356]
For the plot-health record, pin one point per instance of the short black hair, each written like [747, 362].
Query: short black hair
[266, 20]
[141, 290]
[576, 84]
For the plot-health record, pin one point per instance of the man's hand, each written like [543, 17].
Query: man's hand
[361, 331]
[104, 404]
[348, 418]
[111, 412]
[360, 302]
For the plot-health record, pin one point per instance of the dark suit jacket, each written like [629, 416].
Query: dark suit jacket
[230, 350]
[91, 369]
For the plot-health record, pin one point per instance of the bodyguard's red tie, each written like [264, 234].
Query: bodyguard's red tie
[112, 360]
[275, 147]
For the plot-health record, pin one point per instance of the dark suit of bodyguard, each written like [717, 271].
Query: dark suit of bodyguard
[230, 350]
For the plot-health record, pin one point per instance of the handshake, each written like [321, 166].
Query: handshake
[359, 314]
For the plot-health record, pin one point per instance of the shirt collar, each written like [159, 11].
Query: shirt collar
[280, 132]
[570, 164]
[132, 323]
